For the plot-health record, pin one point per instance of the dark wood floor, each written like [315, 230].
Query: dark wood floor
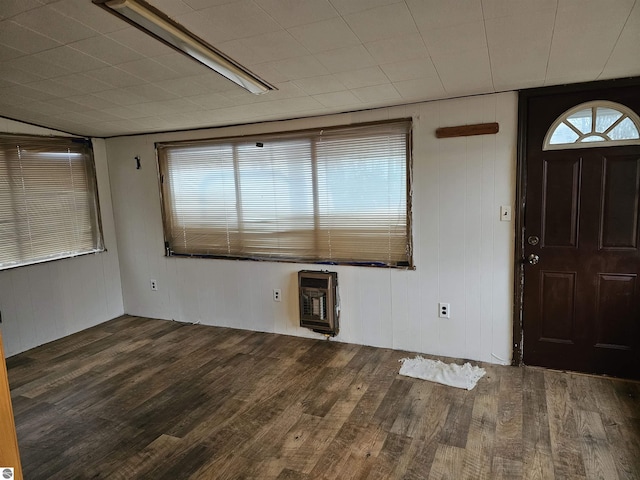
[136, 398]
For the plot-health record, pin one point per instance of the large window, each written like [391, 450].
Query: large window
[339, 195]
[48, 200]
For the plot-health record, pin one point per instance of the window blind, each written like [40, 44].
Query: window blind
[338, 195]
[48, 200]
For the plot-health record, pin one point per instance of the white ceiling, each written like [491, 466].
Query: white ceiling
[69, 65]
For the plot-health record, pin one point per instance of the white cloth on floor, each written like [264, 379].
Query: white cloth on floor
[461, 376]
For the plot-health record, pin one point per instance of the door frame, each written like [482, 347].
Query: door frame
[524, 96]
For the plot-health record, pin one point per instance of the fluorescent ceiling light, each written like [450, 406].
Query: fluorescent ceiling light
[152, 21]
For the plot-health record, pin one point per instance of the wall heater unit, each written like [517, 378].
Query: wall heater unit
[319, 308]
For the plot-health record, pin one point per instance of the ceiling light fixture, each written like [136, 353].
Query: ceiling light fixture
[152, 21]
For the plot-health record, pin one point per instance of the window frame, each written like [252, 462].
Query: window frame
[593, 105]
[260, 137]
[95, 219]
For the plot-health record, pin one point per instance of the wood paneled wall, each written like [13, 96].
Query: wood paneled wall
[463, 252]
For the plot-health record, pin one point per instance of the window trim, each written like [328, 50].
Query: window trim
[408, 265]
[92, 181]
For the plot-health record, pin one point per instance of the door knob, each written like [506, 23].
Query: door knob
[533, 259]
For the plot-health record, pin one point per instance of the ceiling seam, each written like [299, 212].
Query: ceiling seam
[617, 39]
[486, 39]
[553, 34]
[435, 67]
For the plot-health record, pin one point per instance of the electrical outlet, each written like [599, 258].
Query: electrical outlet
[277, 295]
[444, 310]
[154, 285]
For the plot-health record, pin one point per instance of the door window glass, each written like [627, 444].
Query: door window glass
[594, 124]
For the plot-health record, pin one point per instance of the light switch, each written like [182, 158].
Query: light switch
[505, 213]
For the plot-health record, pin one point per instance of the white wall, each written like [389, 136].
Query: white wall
[463, 252]
[41, 303]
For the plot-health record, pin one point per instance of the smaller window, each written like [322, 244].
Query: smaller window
[48, 200]
[594, 124]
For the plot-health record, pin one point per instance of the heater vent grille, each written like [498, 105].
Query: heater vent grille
[314, 303]
[318, 301]
[312, 282]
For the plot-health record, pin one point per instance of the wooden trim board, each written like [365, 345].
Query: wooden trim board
[9, 454]
[468, 130]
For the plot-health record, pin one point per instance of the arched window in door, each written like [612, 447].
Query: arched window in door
[594, 124]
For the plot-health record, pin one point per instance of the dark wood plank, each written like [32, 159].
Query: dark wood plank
[412, 410]
[448, 463]
[596, 450]
[287, 474]
[387, 412]
[624, 442]
[420, 460]
[138, 398]
[537, 454]
[456, 428]
[468, 130]
[509, 435]
[393, 449]
[567, 455]
[480, 442]
[141, 462]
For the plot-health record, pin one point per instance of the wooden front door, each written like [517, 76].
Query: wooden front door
[581, 305]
